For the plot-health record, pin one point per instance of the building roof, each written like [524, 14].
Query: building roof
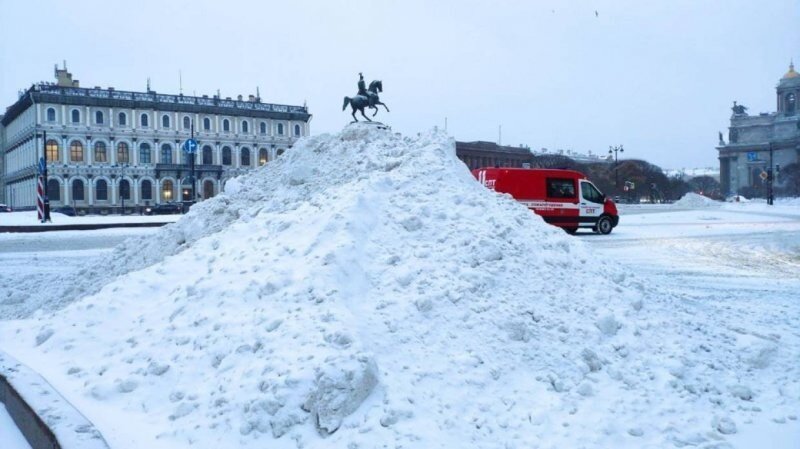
[110, 97]
[492, 147]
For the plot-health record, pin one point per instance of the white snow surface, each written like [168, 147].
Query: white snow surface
[29, 218]
[364, 291]
[692, 199]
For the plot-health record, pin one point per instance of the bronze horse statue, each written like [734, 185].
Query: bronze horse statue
[359, 102]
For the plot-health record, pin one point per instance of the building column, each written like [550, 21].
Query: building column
[89, 152]
[89, 193]
[65, 149]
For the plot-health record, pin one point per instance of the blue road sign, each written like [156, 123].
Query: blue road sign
[42, 166]
[752, 156]
[190, 146]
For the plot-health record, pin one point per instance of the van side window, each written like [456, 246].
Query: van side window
[560, 188]
[590, 193]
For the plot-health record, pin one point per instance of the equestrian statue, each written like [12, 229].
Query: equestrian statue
[365, 98]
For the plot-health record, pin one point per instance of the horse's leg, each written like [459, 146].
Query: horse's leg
[354, 114]
[384, 105]
[362, 113]
[376, 110]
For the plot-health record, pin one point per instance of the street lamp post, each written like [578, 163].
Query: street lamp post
[616, 150]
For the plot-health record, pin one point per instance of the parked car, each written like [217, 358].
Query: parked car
[4, 208]
[163, 209]
[563, 198]
[65, 210]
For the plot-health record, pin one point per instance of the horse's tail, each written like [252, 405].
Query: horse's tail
[346, 101]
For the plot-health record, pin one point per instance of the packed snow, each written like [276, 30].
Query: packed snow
[364, 291]
[30, 218]
[692, 199]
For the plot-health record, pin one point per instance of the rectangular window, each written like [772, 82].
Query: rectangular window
[560, 188]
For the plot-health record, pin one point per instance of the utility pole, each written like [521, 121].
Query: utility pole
[615, 151]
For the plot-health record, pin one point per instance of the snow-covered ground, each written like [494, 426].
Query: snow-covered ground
[364, 291]
[28, 218]
[10, 436]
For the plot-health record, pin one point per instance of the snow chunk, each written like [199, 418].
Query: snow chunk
[339, 389]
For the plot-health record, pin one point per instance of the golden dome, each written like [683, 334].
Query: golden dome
[791, 73]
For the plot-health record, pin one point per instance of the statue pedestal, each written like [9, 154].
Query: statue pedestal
[378, 125]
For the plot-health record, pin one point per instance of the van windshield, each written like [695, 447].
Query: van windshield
[590, 193]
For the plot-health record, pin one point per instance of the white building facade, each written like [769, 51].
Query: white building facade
[106, 147]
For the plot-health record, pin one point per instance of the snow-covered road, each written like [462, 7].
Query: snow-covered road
[736, 270]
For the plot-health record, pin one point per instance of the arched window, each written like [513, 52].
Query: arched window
[51, 115]
[226, 156]
[145, 155]
[144, 120]
[100, 154]
[791, 104]
[123, 155]
[280, 129]
[262, 127]
[245, 127]
[187, 122]
[98, 117]
[76, 151]
[53, 155]
[296, 130]
[262, 156]
[206, 124]
[208, 155]
[53, 190]
[208, 189]
[124, 189]
[165, 121]
[122, 119]
[166, 154]
[77, 190]
[166, 190]
[226, 125]
[76, 116]
[245, 159]
[147, 189]
[101, 190]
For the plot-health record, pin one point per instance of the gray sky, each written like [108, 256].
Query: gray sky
[658, 77]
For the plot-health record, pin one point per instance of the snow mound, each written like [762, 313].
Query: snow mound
[692, 199]
[364, 290]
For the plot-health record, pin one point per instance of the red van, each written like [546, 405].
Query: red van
[564, 198]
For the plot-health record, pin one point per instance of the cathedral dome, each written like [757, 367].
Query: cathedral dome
[791, 73]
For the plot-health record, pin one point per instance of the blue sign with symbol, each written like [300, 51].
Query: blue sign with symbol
[190, 146]
[42, 166]
[752, 156]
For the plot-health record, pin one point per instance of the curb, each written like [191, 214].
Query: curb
[44, 417]
[79, 227]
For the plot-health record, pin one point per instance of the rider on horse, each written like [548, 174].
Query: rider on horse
[362, 90]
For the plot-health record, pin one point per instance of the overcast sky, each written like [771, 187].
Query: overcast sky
[658, 77]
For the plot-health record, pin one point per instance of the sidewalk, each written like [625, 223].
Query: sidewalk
[27, 222]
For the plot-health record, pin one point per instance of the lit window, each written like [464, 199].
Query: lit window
[262, 156]
[166, 190]
[53, 155]
[76, 151]
[123, 155]
[100, 154]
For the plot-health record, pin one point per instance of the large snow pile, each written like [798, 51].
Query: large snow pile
[693, 200]
[364, 291]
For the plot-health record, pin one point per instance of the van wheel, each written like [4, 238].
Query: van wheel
[604, 225]
[570, 231]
